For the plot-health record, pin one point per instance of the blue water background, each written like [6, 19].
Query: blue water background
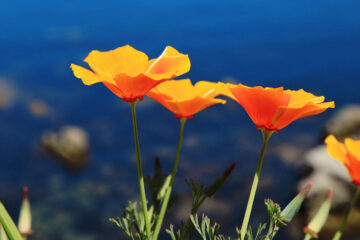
[296, 44]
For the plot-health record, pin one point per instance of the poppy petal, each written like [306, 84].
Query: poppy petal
[336, 149]
[300, 98]
[123, 60]
[260, 103]
[87, 76]
[224, 89]
[190, 107]
[177, 89]
[286, 115]
[353, 147]
[135, 87]
[353, 166]
[168, 65]
[207, 89]
[184, 99]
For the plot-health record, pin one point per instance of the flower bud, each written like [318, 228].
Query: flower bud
[24, 224]
[293, 207]
[316, 224]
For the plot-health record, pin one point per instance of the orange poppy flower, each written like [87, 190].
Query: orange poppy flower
[348, 153]
[184, 99]
[274, 108]
[129, 73]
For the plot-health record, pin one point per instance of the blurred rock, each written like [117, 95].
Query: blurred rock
[38, 108]
[289, 153]
[292, 151]
[70, 146]
[345, 123]
[211, 206]
[191, 141]
[324, 172]
[229, 79]
[7, 93]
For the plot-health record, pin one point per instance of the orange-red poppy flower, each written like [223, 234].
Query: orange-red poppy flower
[348, 153]
[129, 73]
[185, 99]
[274, 108]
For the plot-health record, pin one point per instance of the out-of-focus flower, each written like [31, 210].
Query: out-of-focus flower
[24, 223]
[348, 153]
[272, 109]
[185, 99]
[129, 73]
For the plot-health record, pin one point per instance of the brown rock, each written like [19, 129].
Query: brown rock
[38, 108]
[70, 146]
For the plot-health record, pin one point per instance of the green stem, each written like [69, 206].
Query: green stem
[139, 170]
[186, 226]
[271, 230]
[169, 189]
[266, 137]
[308, 237]
[339, 232]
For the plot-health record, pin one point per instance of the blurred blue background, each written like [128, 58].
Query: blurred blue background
[296, 44]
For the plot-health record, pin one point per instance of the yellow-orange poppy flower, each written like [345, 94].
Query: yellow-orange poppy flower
[348, 153]
[185, 99]
[129, 73]
[274, 108]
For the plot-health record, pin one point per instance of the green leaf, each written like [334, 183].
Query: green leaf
[163, 189]
[8, 224]
[261, 228]
[216, 185]
[200, 194]
[316, 224]
[174, 235]
[294, 206]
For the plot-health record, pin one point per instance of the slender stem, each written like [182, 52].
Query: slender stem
[339, 232]
[308, 237]
[266, 137]
[186, 226]
[271, 230]
[169, 189]
[139, 170]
